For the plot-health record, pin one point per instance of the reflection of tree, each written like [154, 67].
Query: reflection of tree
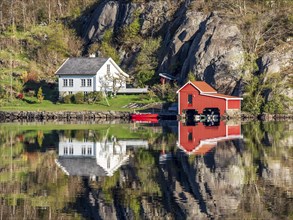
[269, 170]
[31, 186]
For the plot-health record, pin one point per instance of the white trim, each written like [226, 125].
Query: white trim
[209, 93]
[178, 103]
[61, 66]
[189, 82]
[117, 67]
[226, 98]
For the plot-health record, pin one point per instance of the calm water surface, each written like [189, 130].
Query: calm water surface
[146, 171]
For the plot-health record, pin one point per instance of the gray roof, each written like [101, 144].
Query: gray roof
[81, 65]
[79, 166]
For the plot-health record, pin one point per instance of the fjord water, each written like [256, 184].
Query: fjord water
[146, 171]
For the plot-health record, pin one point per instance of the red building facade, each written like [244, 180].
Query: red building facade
[199, 95]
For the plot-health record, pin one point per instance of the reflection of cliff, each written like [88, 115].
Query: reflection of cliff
[208, 186]
[94, 158]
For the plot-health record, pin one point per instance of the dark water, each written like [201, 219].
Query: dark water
[146, 171]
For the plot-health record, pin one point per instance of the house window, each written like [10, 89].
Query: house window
[65, 82]
[189, 136]
[189, 98]
[82, 82]
[89, 82]
[71, 150]
[70, 92]
[83, 150]
[70, 82]
[108, 68]
[65, 151]
[89, 151]
[85, 93]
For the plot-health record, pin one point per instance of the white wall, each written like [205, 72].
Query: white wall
[76, 147]
[96, 84]
[103, 71]
[76, 83]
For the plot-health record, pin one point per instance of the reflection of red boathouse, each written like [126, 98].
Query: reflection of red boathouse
[200, 139]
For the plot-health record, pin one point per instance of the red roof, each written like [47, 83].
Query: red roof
[203, 149]
[217, 95]
[203, 86]
[207, 90]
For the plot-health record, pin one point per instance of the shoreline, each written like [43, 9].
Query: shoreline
[31, 116]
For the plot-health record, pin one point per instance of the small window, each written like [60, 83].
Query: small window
[89, 82]
[65, 82]
[189, 136]
[189, 98]
[108, 68]
[70, 82]
[82, 82]
[89, 151]
[85, 93]
[83, 150]
[71, 150]
[65, 150]
[70, 92]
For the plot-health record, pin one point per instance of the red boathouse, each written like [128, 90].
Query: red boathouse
[199, 96]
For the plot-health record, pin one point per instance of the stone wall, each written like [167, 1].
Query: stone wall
[61, 115]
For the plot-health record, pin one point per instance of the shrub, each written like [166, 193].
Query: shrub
[67, 99]
[78, 98]
[93, 97]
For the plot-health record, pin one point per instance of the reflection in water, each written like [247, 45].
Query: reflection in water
[146, 171]
[94, 158]
[200, 138]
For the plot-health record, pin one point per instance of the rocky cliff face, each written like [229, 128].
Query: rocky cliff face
[208, 45]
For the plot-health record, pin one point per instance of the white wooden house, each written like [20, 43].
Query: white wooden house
[89, 74]
[94, 158]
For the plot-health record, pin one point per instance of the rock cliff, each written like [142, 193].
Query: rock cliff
[207, 44]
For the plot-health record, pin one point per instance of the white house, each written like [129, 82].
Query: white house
[89, 74]
[94, 158]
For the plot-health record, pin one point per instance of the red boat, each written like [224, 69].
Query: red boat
[145, 117]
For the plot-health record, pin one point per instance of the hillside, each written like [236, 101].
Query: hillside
[240, 47]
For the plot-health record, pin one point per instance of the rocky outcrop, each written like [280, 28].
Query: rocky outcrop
[277, 60]
[208, 47]
[118, 14]
[280, 62]
[111, 15]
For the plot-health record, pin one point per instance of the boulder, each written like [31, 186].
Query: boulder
[280, 62]
[210, 48]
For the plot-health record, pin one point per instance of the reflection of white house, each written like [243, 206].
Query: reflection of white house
[88, 74]
[88, 158]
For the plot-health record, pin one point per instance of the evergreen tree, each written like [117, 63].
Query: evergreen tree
[40, 95]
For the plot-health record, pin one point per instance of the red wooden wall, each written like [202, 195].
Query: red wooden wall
[234, 104]
[199, 102]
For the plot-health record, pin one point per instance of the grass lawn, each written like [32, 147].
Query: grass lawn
[116, 104]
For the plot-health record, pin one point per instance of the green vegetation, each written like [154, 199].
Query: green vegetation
[116, 103]
[40, 96]
[34, 44]
[147, 61]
